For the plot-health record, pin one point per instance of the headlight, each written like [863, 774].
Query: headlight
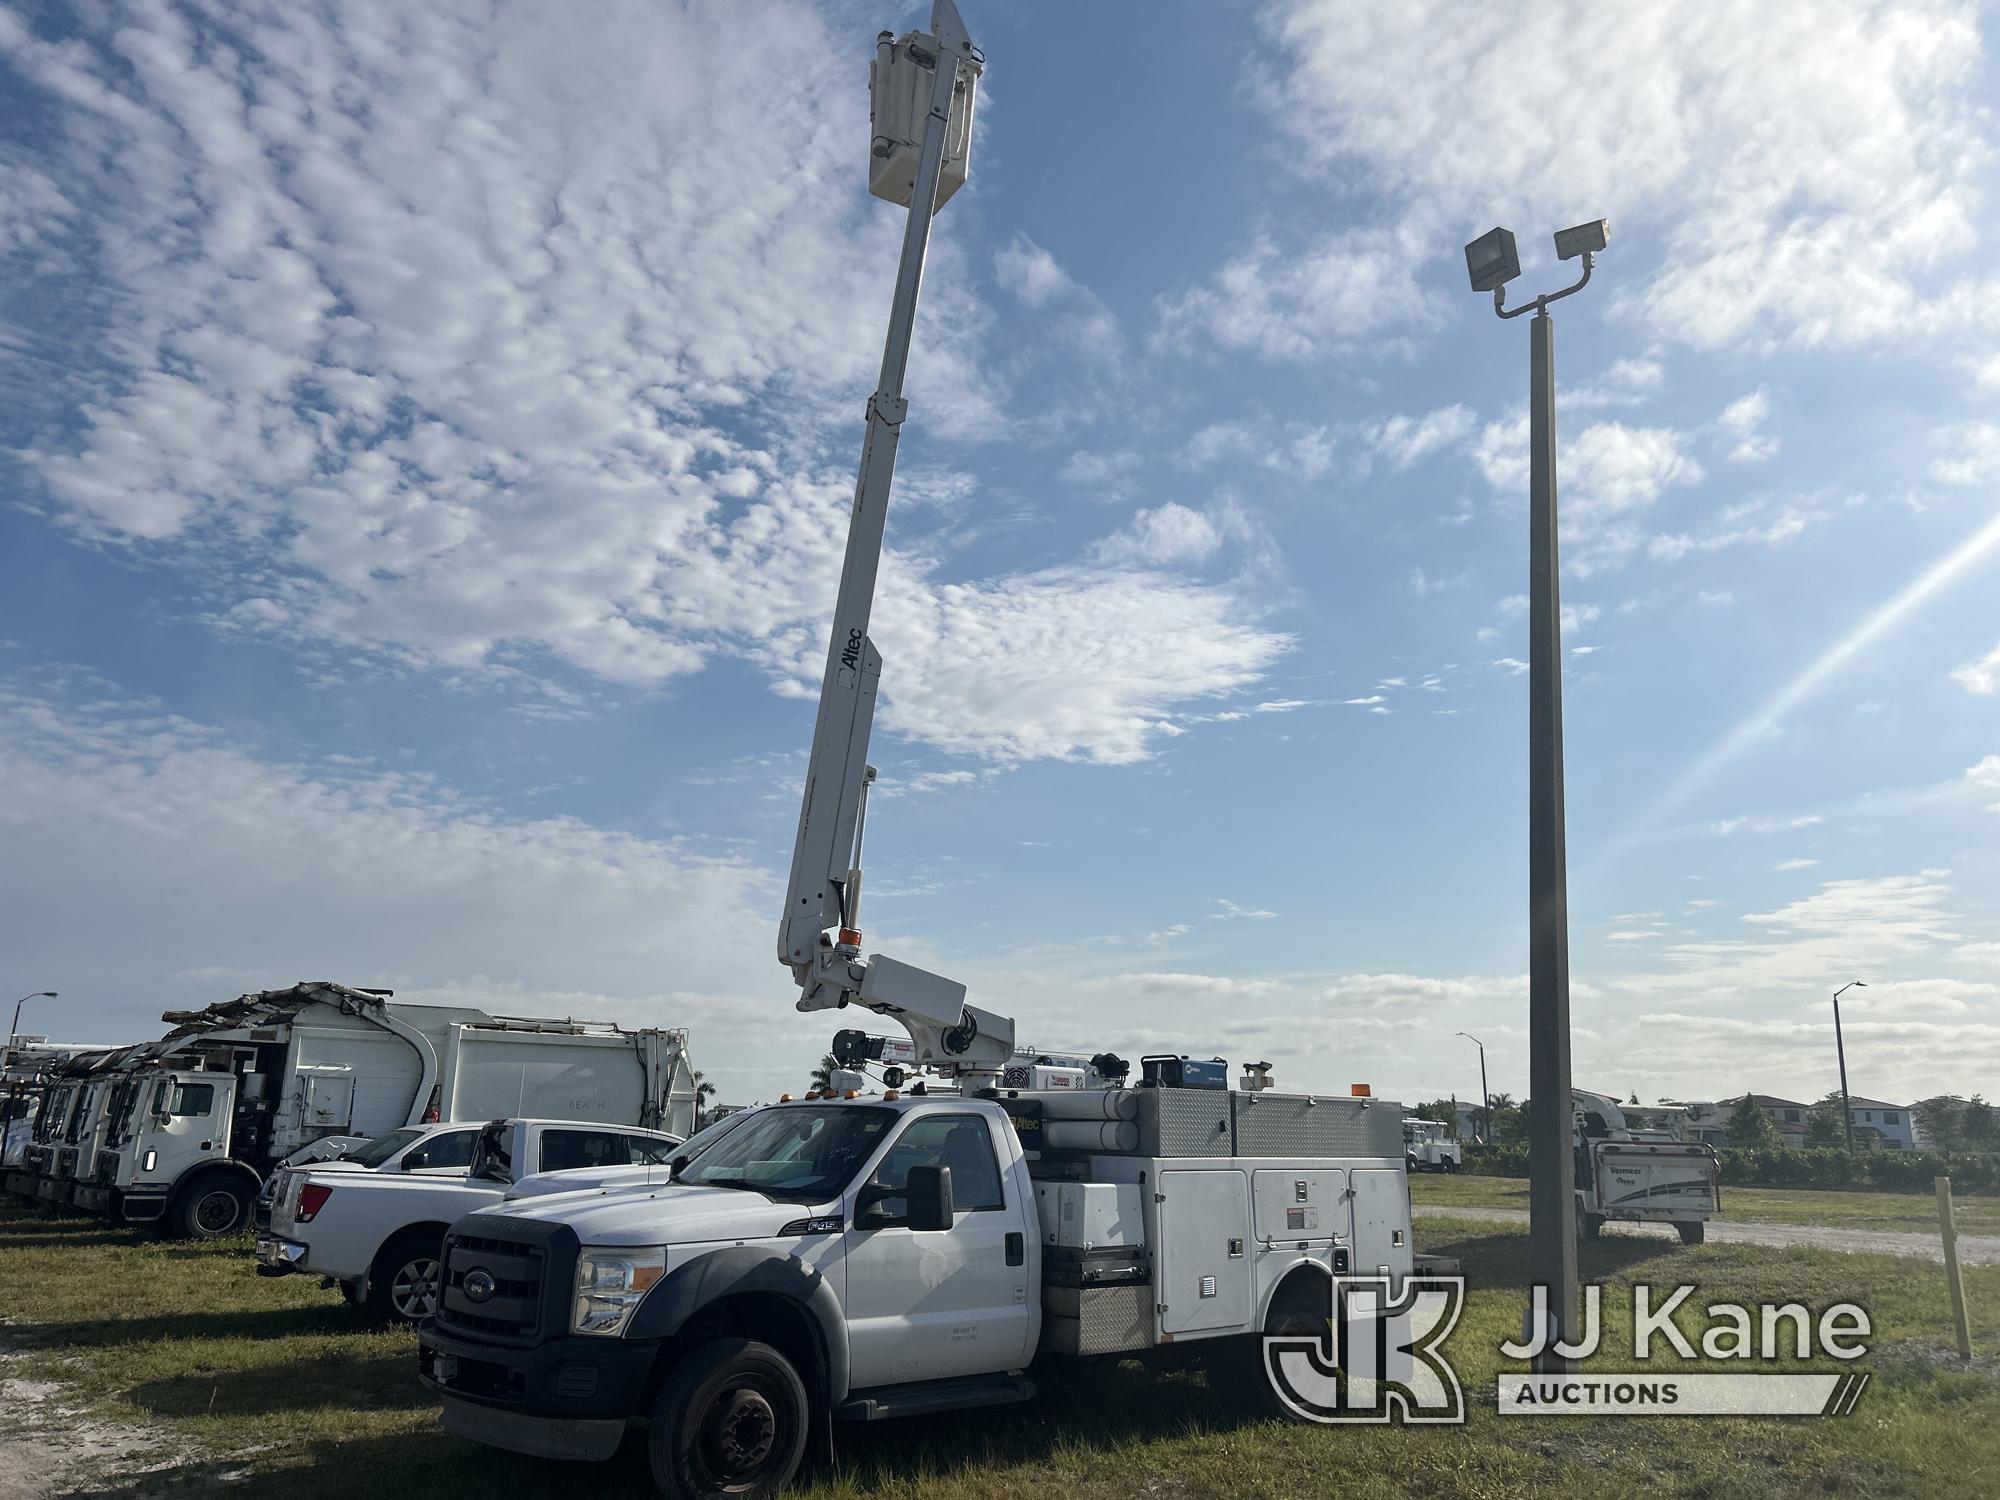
[609, 1284]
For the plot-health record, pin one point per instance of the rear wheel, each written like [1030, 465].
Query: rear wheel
[731, 1419]
[403, 1283]
[1589, 1226]
[210, 1210]
[1692, 1233]
[1237, 1377]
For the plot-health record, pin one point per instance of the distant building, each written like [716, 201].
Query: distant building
[1878, 1124]
[1888, 1127]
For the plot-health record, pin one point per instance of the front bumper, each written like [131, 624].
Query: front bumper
[93, 1198]
[566, 1398]
[279, 1257]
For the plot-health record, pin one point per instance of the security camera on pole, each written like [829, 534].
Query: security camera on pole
[1491, 261]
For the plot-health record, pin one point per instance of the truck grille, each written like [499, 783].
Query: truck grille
[511, 1311]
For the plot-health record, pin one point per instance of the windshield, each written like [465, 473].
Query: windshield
[381, 1148]
[796, 1151]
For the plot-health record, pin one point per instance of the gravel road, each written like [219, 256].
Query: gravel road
[1973, 1249]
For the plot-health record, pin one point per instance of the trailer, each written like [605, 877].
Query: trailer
[1635, 1171]
[182, 1131]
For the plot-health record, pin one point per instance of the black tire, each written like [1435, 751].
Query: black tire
[211, 1208]
[1236, 1374]
[1410, 1164]
[732, 1419]
[1589, 1226]
[404, 1281]
[1692, 1233]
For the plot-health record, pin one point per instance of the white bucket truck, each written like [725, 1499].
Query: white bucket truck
[909, 1253]
[197, 1119]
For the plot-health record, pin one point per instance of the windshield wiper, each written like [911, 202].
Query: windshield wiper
[728, 1182]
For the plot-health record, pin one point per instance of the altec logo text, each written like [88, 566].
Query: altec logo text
[1387, 1362]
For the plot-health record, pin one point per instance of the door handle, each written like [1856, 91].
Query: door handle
[1017, 1249]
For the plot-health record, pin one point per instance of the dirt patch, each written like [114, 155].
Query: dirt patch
[49, 1447]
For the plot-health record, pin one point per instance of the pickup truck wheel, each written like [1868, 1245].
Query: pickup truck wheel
[732, 1419]
[403, 1282]
[1694, 1233]
[211, 1210]
[1588, 1226]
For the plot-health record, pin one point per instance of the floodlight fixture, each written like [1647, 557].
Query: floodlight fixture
[1584, 239]
[1492, 261]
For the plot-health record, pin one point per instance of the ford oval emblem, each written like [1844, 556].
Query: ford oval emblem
[478, 1285]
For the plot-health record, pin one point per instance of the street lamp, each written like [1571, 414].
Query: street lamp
[1840, 1047]
[15, 1030]
[1491, 261]
[1485, 1098]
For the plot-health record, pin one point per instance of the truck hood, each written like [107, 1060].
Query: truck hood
[587, 1179]
[669, 1215]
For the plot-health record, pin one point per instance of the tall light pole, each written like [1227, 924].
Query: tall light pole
[15, 1030]
[1491, 262]
[1840, 1047]
[1485, 1097]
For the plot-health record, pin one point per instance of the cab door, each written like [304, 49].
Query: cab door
[188, 1122]
[929, 1305]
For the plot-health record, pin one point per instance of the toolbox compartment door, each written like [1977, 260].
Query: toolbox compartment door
[1203, 1270]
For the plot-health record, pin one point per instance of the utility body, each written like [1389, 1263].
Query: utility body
[1640, 1176]
[375, 1233]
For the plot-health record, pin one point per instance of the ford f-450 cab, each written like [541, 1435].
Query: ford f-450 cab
[901, 1255]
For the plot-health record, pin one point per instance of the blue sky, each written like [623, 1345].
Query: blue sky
[428, 437]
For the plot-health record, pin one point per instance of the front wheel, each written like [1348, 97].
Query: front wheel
[211, 1210]
[731, 1419]
[1589, 1226]
[1692, 1233]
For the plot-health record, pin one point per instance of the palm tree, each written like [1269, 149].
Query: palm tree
[823, 1074]
[703, 1092]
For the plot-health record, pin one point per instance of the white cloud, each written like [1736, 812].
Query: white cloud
[1970, 456]
[1351, 292]
[1514, 665]
[1796, 864]
[1030, 272]
[229, 869]
[557, 378]
[1169, 533]
[1766, 824]
[1743, 420]
[1368, 702]
[1609, 474]
[1982, 676]
[1809, 176]
[1986, 776]
[1231, 912]
[1405, 440]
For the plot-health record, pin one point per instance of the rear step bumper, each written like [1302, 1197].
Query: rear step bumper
[922, 1398]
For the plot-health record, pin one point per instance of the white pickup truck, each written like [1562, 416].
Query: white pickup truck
[902, 1255]
[376, 1234]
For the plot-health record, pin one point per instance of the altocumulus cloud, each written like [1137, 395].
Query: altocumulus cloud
[532, 348]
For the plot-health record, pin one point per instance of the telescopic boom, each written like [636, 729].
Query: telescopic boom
[927, 80]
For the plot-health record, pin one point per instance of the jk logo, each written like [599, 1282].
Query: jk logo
[1387, 1359]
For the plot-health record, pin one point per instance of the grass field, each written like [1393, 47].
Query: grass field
[273, 1387]
[1912, 1212]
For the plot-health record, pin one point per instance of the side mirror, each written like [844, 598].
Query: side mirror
[929, 1194]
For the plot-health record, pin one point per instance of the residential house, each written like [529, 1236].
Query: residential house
[1885, 1126]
